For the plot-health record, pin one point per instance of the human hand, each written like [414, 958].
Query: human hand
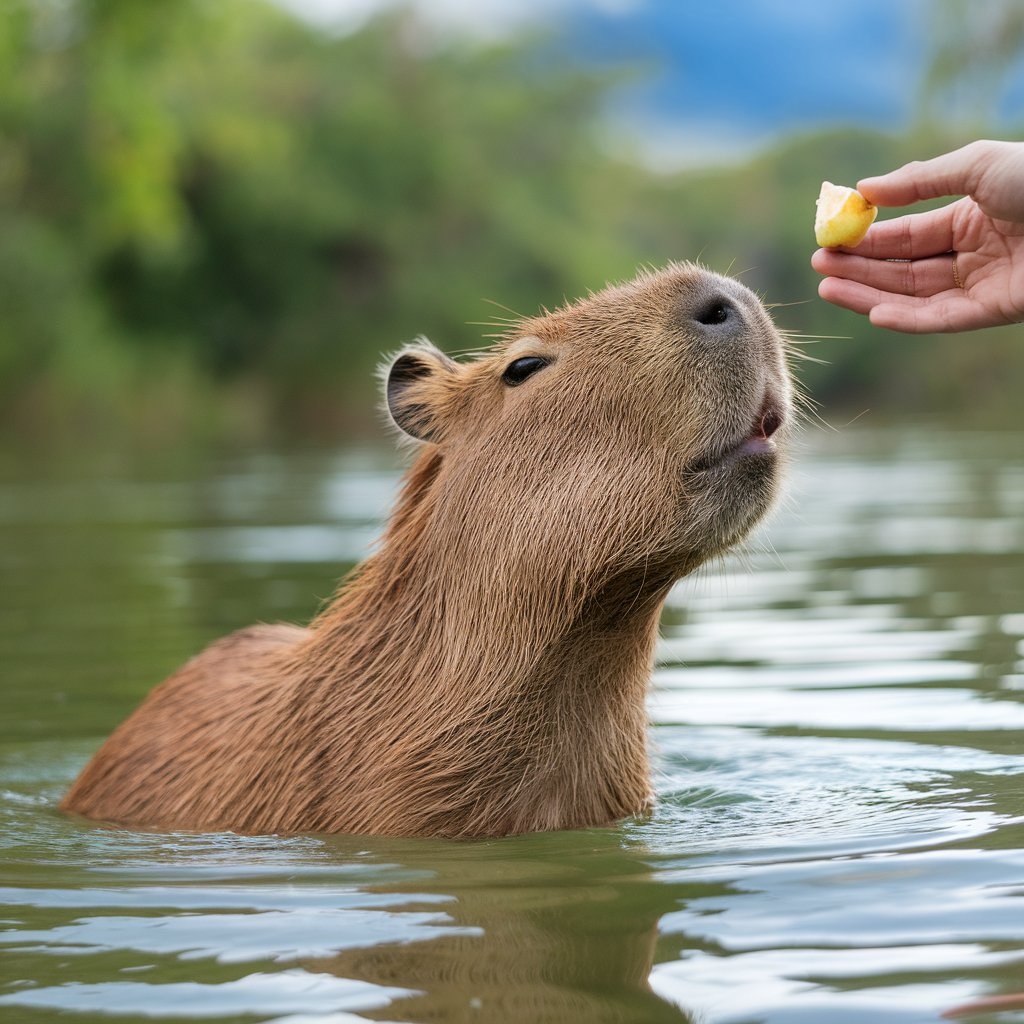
[958, 268]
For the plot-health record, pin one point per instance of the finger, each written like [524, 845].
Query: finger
[909, 314]
[852, 295]
[905, 277]
[942, 315]
[910, 237]
[952, 174]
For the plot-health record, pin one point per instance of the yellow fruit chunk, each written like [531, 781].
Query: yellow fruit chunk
[843, 216]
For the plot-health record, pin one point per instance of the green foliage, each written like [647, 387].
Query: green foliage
[972, 48]
[214, 201]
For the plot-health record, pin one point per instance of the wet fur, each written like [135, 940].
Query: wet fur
[485, 671]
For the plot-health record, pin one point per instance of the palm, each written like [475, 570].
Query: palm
[991, 266]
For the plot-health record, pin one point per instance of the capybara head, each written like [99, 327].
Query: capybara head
[631, 434]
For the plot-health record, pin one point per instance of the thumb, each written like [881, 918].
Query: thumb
[953, 174]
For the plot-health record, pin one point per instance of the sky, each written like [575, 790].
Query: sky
[720, 80]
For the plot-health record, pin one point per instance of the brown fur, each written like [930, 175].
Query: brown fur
[485, 672]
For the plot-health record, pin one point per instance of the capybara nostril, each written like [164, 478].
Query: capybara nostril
[715, 312]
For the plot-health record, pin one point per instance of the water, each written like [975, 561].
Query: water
[837, 715]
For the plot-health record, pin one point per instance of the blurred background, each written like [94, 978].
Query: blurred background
[216, 215]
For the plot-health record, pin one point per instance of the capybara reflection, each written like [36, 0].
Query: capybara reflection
[484, 672]
[557, 929]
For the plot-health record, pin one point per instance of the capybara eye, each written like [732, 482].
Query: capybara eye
[715, 312]
[519, 369]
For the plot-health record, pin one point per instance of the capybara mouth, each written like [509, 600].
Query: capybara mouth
[766, 423]
[757, 441]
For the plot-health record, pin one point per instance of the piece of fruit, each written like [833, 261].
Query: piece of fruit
[843, 216]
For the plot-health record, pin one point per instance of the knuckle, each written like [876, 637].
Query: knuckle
[910, 276]
[906, 243]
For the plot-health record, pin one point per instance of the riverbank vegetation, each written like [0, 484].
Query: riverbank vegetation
[216, 218]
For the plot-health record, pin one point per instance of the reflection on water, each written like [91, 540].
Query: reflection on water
[837, 720]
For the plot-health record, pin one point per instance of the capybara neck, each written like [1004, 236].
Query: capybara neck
[526, 692]
[484, 672]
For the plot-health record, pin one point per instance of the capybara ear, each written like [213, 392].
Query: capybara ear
[417, 389]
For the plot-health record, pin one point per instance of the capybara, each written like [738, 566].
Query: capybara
[484, 672]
